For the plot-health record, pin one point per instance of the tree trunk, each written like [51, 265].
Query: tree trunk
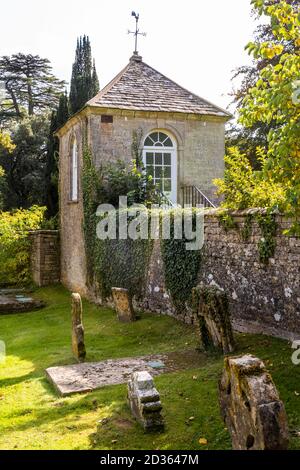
[14, 100]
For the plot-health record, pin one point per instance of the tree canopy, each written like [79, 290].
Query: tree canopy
[275, 98]
[250, 137]
[30, 86]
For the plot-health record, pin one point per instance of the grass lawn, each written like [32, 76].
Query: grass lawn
[32, 416]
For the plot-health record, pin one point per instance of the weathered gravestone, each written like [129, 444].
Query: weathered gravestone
[78, 346]
[144, 401]
[250, 406]
[123, 304]
[212, 314]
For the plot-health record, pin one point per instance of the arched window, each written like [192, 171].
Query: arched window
[74, 171]
[160, 160]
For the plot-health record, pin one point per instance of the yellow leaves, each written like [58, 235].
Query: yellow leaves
[269, 52]
[5, 141]
[203, 441]
[297, 42]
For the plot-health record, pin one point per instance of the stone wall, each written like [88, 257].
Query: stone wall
[73, 263]
[264, 298]
[45, 265]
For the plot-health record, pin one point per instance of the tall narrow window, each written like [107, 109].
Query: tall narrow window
[74, 171]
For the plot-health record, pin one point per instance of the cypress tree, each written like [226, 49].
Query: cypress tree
[84, 80]
[58, 118]
[63, 112]
[95, 81]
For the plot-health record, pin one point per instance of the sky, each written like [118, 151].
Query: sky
[197, 43]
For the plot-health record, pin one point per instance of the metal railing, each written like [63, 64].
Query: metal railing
[193, 196]
[165, 202]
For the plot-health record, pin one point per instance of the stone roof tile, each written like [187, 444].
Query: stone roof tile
[140, 87]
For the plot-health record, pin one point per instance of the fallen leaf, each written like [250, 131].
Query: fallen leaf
[114, 441]
[203, 441]
[192, 418]
[195, 377]
[297, 394]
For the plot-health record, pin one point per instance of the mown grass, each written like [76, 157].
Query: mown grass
[32, 416]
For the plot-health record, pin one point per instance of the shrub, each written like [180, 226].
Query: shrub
[244, 187]
[15, 244]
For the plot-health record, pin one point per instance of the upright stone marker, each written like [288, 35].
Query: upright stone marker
[251, 407]
[77, 328]
[144, 401]
[123, 304]
[212, 314]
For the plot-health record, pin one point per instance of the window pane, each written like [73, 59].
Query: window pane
[149, 158]
[74, 180]
[167, 159]
[167, 172]
[168, 143]
[154, 136]
[149, 142]
[158, 172]
[158, 144]
[167, 185]
[162, 137]
[158, 159]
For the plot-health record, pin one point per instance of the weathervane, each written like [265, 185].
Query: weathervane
[136, 33]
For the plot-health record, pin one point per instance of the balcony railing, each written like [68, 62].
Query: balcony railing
[193, 196]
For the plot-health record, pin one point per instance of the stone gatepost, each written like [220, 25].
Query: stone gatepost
[45, 257]
[123, 304]
[211, 310]
[78, 345]
[250, 406]
[144, 401]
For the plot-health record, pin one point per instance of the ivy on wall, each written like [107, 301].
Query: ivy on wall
[90, 182]
[110, 263]
[267, 244]
[181, 267]
[122, 263]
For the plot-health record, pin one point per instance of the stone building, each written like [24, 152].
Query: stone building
[183, 148]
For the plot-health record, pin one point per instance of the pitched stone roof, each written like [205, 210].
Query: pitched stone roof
[140, 87]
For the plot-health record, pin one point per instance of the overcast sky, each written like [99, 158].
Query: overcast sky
[197, 43]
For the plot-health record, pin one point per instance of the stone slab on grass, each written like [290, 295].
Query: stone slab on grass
[14, 302]
[85, 377]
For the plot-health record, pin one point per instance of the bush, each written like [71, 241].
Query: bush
[15, 244]
[120, 179]
[244, 187]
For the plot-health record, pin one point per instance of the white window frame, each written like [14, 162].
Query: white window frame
[161, 149]
[74, 172]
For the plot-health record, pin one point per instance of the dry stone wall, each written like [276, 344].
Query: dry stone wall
[264, 298]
